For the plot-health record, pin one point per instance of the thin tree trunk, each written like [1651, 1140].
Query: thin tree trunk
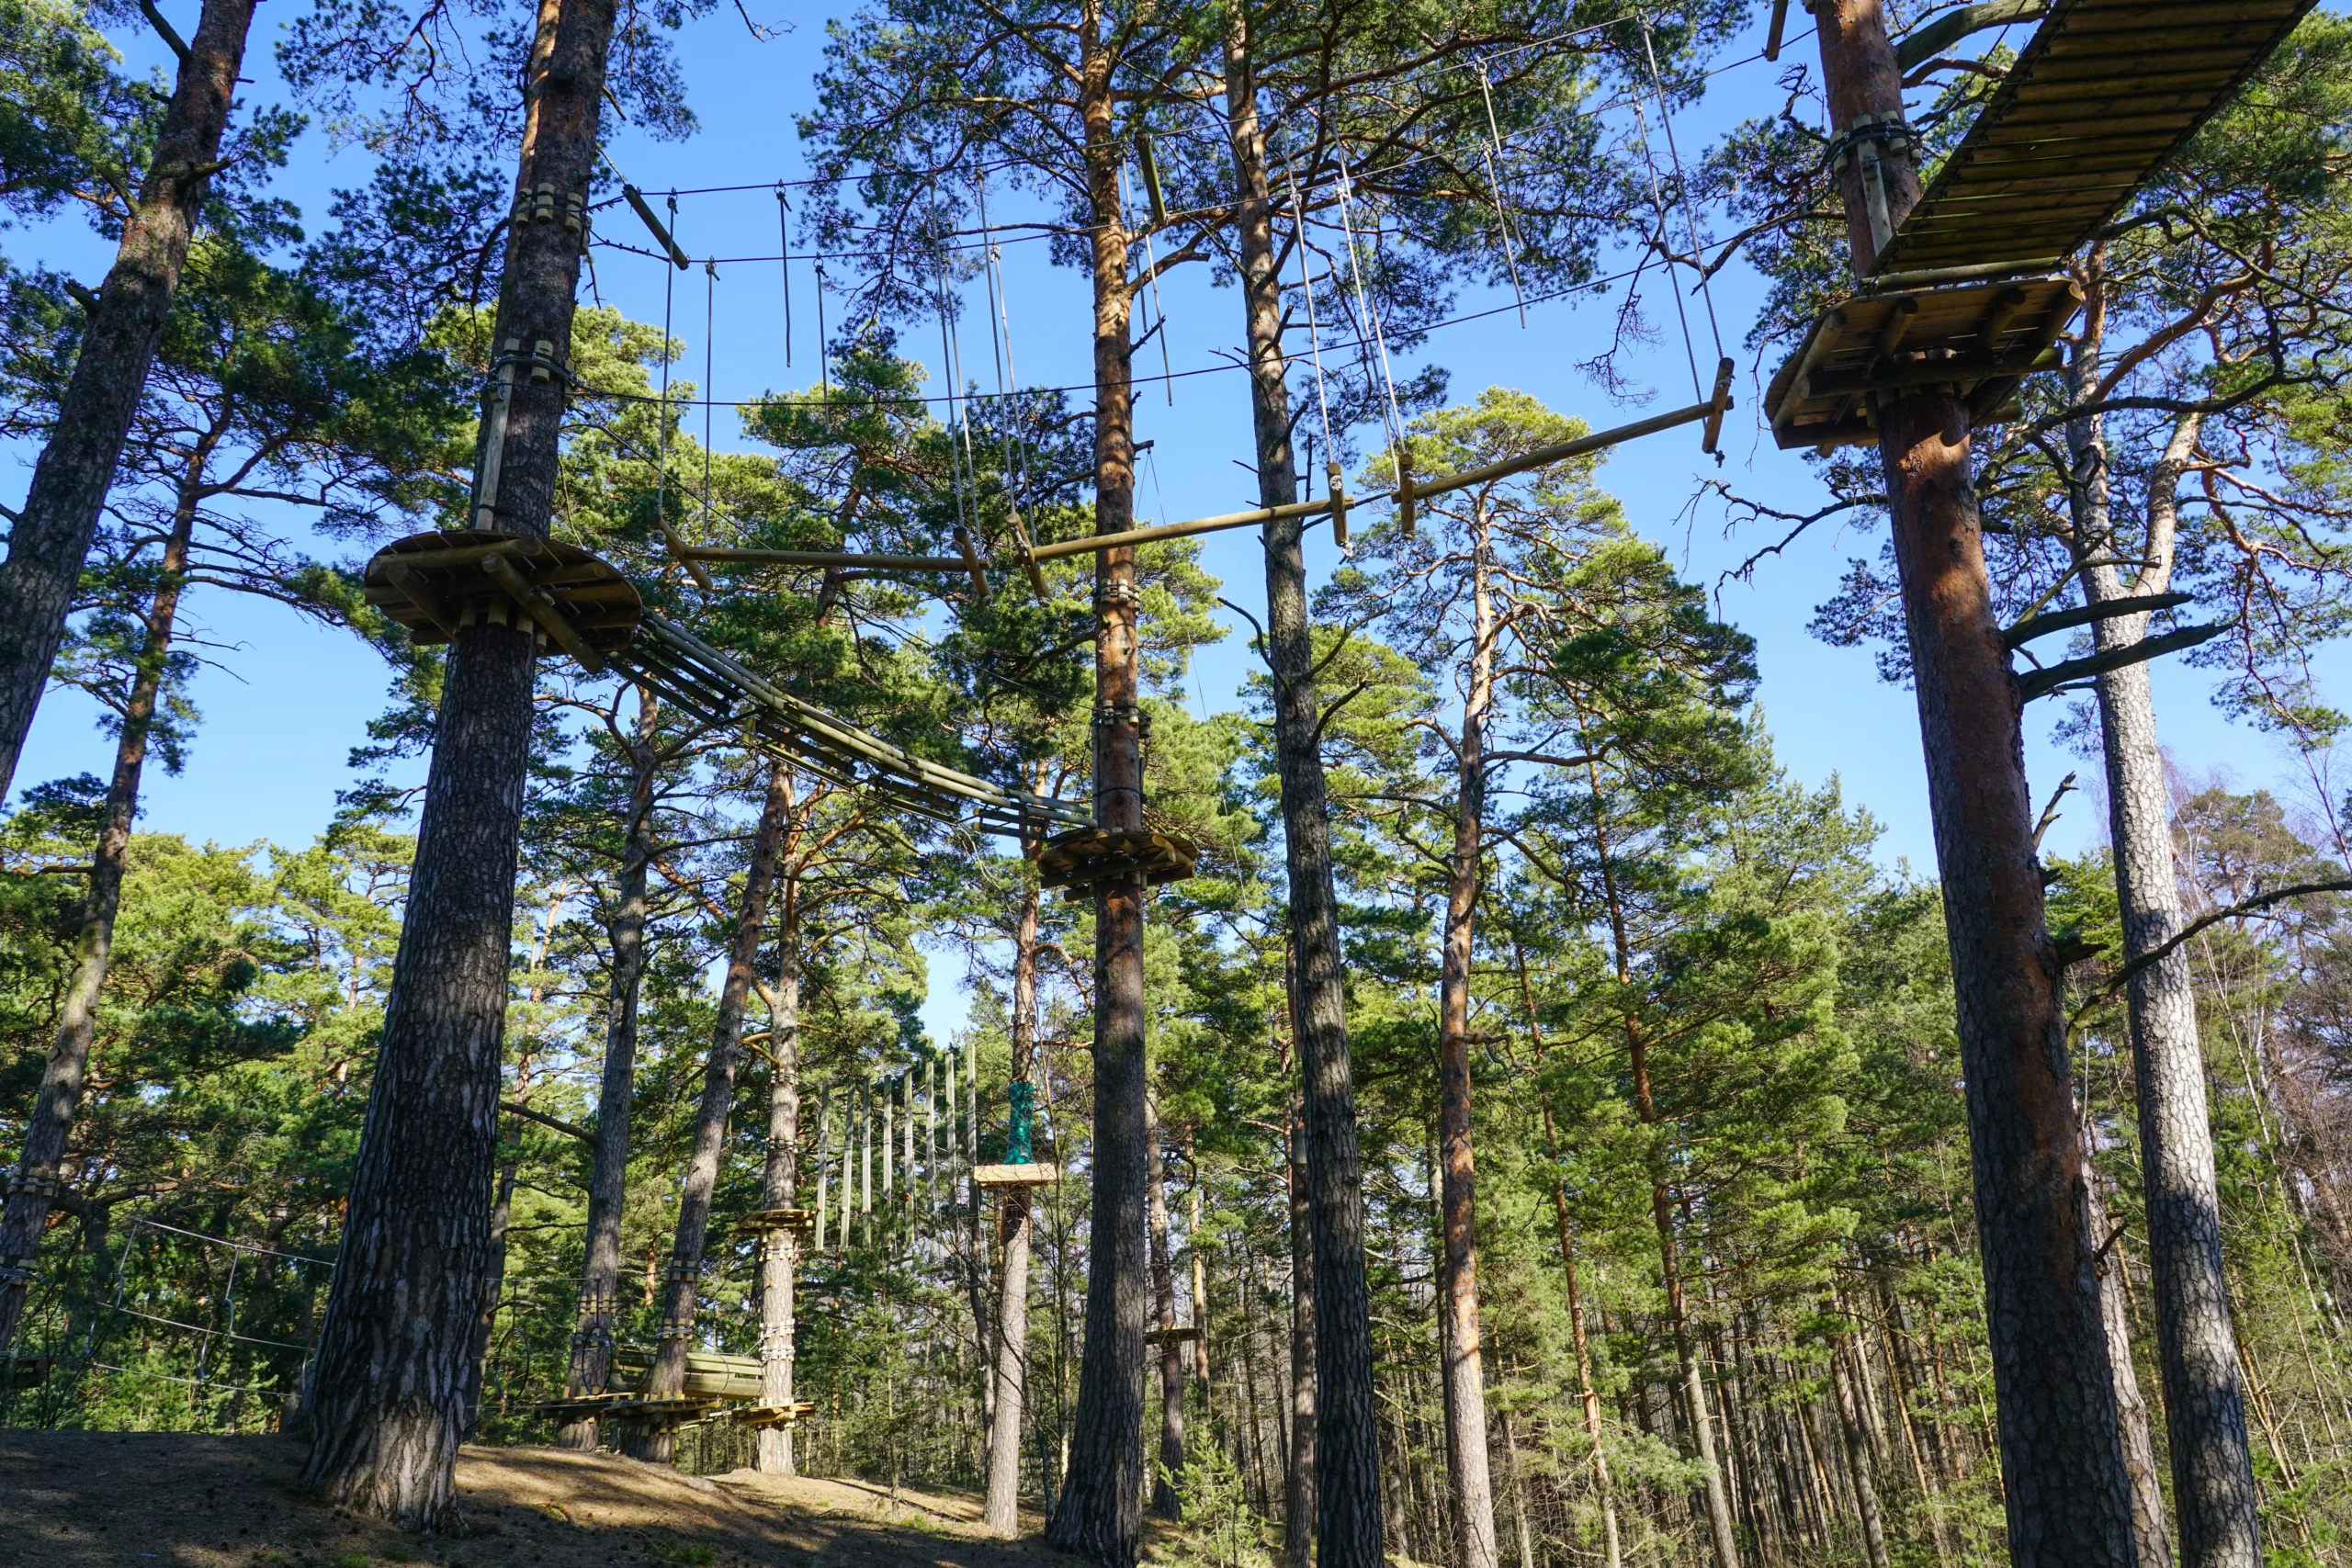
[389, 1376]
[2212, 1460]
[2066, 1490]
[780, 1184]
[50, 537]
[2152, 1541]
[1466, 1392]
[1587, 1393]
[683, 1284]
[593, 1333]
[1002, 1513]
[38, 1178]
[1298, 1485]
[1100, 1514]
[1347, 1441]
[1861, 1465]
[1166, 1499]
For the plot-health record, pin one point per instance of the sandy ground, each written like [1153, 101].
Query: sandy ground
[168, 1500]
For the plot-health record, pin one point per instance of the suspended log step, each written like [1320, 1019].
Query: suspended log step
[1087, 858]
[437, 584]
[579, 1405]
[1981, 336]
[772, 1415]
[2102, 95]
[779, 1219]
[1029, 1175]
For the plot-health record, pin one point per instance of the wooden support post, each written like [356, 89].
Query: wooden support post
[543, 612]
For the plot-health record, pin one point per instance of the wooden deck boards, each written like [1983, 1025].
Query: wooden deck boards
[1981, 337]
[2130, 78]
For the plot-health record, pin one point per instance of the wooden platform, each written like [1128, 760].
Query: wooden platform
[1030, 1175]
[1182, 1333]
[1087, 858]
[435, 583]
[779, 1219]
[2100, 96]
[1982, 337]
[772, 1415]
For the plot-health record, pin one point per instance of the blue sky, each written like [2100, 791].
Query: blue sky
[290, 700]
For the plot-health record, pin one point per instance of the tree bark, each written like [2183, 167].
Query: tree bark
[1860, 1457]
[2152, 1541]
[50, 534]
[1099, 1513]
[1166, 1498]
[1298, 1484]
[1467, 1466]
[2212, 1460]
[389, 1376]
[1001, 1511]
[38, 1177]
[593, 1332]
[780, 1184]
[683, 1284]
[2067, 1494]
[1347, 1417]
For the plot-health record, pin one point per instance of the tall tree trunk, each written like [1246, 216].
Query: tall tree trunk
[780, 1184]
[2151, 1540]
[1860, 1461]
[1100, 1514]
[1166, 1500]
[1347, 1417]
[683, 1280]
[50, 534]
[389, 1376]
[2067, 1494]
[1589, 1393]
[2196, 1350]
[600, 1276]
[1298, 1485]
[1001, 1511]
[38, 1178]
[1466, 1389]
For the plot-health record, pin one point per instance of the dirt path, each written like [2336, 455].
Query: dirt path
[169, 1500]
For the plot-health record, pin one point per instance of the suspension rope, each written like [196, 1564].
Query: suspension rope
[784, 249]
[661, 474]
[1658, 199]
[1393, 422]
[710, 347]
[1314, 335]
[1502, 215]
[1682, 184]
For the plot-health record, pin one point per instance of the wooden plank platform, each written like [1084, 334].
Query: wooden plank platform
[2101, 95]
[772, 1415]
[1086, 858]
[1032, 1175]
[1982, 337]
[434, 583]
[779, 1219]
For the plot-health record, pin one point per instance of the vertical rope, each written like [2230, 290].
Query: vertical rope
[1682, 184]
[1392, 421]
[709, 346]
[1314, 335]
[1658, 199]
[1502, 216]
[784, 237]
[661, 474]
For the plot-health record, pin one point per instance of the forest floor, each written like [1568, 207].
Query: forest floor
[175, 1500]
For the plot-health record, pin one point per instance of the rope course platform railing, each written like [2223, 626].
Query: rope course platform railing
[2100, 96]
